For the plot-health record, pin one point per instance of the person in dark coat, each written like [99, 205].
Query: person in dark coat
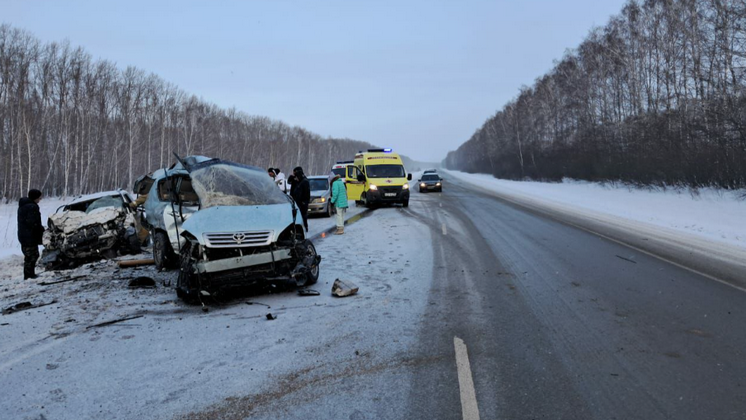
[300, 190]
[30, 231]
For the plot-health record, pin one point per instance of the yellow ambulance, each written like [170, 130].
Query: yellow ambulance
[378, 177]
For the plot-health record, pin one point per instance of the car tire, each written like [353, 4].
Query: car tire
[163, 254]
[421, 190]
[186, 289]
[329, 210]
[313, 275]
[405, 203]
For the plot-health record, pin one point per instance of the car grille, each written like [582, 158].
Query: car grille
[238, 239]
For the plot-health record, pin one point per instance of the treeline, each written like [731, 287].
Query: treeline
[70, 124]
[656, 96]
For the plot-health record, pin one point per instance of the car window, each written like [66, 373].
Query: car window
[186, 192]
[339, 171]
[352, 172]
[431, 178]
[164, 189]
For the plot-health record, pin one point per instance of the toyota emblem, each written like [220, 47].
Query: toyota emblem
[239, 238]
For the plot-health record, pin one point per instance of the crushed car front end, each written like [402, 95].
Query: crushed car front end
[244, 233]
[104, 229]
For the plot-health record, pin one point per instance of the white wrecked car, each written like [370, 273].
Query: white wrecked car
[246, 231]
[90, 228]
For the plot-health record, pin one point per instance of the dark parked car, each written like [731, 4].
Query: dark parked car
[431, 182]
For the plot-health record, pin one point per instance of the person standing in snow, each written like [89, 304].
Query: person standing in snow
[280, 180]
[300, 190]
[30, 231]
[339, 199]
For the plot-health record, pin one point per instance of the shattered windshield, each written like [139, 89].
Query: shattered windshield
[115, 202]
[224, 184]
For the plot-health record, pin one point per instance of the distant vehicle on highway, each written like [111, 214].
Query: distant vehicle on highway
[431, 182]
[321, 195]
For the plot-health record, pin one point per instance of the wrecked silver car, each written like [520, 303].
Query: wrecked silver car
[245, 232]
[90, 228]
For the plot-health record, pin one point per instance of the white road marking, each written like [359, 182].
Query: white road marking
[469, 409]
[445, 232]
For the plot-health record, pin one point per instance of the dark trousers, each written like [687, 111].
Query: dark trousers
[30, 256]
[303, 208]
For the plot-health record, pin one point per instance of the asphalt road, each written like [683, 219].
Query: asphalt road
[563, 324]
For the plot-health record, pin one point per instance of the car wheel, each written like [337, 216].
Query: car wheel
[421, 190]
[405, 203]
[163, 254]
[312, 276]
[186, 283]
[329, 210]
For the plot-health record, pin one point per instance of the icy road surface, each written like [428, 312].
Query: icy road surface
[469, 307]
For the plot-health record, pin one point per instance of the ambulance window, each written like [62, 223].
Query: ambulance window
[352, 172]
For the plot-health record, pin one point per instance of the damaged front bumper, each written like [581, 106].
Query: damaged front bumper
[237, 263]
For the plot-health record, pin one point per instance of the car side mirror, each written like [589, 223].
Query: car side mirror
[409, 177]
[361, 177]
[419, 180]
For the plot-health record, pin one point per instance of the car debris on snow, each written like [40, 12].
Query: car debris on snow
[64, 280]
[342, 288]
[142, 283]
[22, 306]
[135, 263]
[626, 259]
[114, 321]
[271, 317]
[308, 292]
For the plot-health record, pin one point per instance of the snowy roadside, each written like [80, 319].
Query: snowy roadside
[712, 215]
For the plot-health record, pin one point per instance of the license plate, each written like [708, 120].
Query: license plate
[389, 195]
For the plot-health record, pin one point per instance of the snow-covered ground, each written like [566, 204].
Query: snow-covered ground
[709, 214]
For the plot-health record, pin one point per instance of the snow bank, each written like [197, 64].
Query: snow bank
[711, 214]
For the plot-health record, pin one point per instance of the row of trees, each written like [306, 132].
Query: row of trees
[657, 96]
[70, 124]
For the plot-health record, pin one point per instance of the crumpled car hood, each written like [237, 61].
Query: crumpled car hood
[225, 219]
[71, 221]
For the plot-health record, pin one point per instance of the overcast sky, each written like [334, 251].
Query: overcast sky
[418, 76]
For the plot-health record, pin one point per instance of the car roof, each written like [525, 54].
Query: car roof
[96, 196]
[318, 177]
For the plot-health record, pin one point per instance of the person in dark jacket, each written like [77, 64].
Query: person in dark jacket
[30, 231]
[300, 190]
